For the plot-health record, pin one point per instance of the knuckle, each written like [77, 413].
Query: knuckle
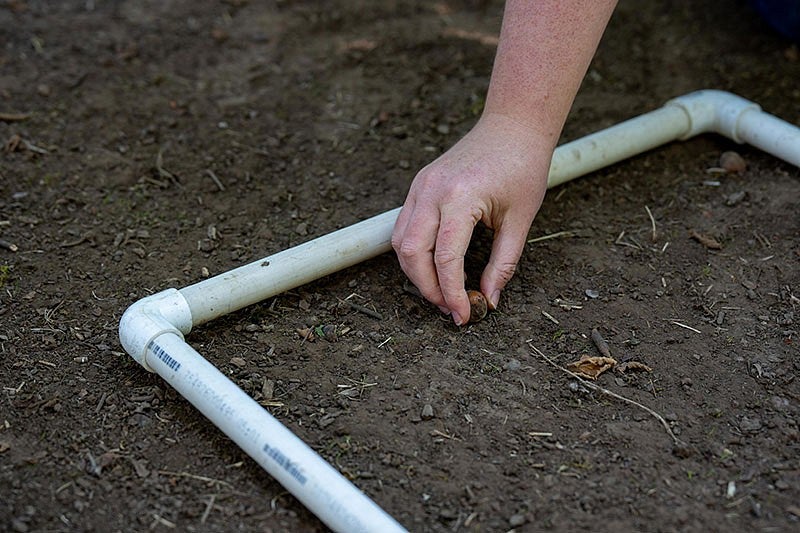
[506, 271]
[445, 256]
[397, 242]
[407, 248]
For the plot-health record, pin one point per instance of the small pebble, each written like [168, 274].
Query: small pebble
[516, 520]
[735, 198]
[427, 412]
[750, 425]
[591, 293]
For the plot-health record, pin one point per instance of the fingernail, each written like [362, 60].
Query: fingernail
[444, 310]
[494, 299]
[457, 318]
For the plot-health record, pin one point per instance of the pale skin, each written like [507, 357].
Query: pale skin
[497, 173]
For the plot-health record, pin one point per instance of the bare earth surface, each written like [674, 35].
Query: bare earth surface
[163, 142]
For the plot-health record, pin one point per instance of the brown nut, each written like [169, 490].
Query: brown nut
[732, 162]
[477, 306]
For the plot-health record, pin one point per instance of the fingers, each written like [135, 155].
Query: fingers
[413, 239]
[452, 241]
[509, 241]
[430, 247]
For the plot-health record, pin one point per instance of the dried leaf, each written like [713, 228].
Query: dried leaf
[632, 365]
[591, 367]
[307, 334]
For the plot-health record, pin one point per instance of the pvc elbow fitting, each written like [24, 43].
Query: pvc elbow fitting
[151, 317]
[714, 111]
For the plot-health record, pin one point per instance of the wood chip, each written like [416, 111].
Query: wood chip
[705, 240]
[632, 365]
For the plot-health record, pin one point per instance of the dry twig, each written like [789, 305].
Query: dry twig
[13, 117]
[556, 235]
[600, 342]
[678, 443]
[8, 245]
[652, 223]
[215, 179]
[362, 309]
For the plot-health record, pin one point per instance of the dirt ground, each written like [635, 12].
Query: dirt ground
[162, 142]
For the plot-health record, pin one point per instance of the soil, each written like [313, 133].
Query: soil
[163, 142]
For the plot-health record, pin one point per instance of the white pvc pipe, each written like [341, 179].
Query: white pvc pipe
[152, 329]
[290, 268]
[288, 459]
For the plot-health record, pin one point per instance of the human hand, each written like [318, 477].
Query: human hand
[496, 174]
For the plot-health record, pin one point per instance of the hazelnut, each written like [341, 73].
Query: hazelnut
[732, 162]
[477, 306]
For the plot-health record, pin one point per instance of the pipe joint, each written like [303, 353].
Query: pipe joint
[150, 317]
[714, 111]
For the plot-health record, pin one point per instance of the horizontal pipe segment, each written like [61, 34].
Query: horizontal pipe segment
[617, 143]
[772, 135]
[152, 329]
[290, 268]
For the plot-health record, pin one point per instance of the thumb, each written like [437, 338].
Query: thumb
[507, 247]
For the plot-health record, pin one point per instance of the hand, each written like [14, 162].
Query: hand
[496, 174]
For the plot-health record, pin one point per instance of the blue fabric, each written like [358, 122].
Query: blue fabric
[783, 15]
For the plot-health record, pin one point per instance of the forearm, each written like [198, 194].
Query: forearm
[544, 51]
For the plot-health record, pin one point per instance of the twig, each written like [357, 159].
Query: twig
[556, 235]
[215, 179]
[163, 172]
[620, 242]
[598, 388]
[437, 433]
[193, 476]
[33, 148]
[8, 245]
[14, 117]
[550, 317]
[363, 309]
[685, 326]
[157, 519]
[209, 506]
[600, 342]
[384, 342]
[652, 223]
